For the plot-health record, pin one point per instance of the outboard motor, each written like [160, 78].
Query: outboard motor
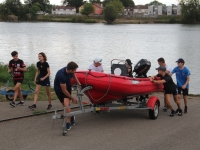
[141, 68]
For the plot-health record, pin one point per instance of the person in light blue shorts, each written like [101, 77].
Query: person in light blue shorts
[183, 78]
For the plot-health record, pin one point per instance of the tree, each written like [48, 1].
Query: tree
[76, 3]
[33, 11]
[190, 11]
[110, 13]
[126, 3]
[155, 2]
[87, 9]
[44, 3]
[118, 5]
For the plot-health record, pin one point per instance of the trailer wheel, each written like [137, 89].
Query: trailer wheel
[10, 97]
[153, 114]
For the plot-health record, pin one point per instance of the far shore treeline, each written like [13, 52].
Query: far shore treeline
[113, 12]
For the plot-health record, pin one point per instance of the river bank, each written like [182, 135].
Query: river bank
[100, 19]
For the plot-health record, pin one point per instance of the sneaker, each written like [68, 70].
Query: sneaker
[72, 120]
[12, 104]
[185, 111]
[172, 113]
[49, 107]
[68, 126]
[21, 103]
[180, 112]
[33, 107]
[165, 108]
[177, 111]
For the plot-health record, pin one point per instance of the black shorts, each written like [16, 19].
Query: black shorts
[184, 91]
[17, 81]
[61, 95]
[46, 82]
[169, 92]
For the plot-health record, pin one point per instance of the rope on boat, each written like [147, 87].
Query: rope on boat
[104, 94]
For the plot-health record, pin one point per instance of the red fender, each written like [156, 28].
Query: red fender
[152, 100]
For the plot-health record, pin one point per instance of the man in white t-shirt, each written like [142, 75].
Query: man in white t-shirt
[96, 66]
[161, 62]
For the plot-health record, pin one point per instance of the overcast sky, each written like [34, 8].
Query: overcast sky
[137, 2]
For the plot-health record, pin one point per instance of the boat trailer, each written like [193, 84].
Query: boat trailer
[152, 104]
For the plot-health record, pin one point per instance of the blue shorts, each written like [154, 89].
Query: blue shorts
[46, 82]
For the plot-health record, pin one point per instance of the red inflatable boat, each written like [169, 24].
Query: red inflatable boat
[109, 87]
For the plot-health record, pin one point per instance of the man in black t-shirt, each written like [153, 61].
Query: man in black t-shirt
[169, 88]
[18, 67]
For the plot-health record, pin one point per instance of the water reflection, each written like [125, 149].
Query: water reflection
[64, 42]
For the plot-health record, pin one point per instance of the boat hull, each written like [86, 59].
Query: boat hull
[109, 87]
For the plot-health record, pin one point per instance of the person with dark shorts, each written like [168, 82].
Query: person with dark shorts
[169, 88]
[62, 87]
[17, 68]
[183, 78]
[42, 79]
[161, 62]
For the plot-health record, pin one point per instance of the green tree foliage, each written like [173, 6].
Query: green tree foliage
[76, 3]
[190, 11]
[33, 11]
[110, 13]
[44, 4]
[118, 5]
[13, 7]
[155, 2]
[126, 3]
[87, 9]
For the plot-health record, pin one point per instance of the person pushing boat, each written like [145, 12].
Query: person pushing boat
[169, 88]
[62, 87]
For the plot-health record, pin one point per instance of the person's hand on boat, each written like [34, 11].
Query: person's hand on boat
[79, 86]
[151, 78]
[74, 101]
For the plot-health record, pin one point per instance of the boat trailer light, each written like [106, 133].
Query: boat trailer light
[102, 108]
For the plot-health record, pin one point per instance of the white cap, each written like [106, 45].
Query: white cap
[98, 60]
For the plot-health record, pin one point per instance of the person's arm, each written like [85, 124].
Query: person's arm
[167, 71]
[9, 67]
[22, 67]
[76, 79]
[36, 75]
[158, 81]
[48, 73]
[64, 90]
[186, 83]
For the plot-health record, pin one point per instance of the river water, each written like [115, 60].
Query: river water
[64, 42]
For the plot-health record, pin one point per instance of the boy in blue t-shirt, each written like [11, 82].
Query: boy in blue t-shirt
[183, 78]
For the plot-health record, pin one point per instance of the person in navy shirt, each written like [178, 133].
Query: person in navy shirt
[62, 87]
[183, 78]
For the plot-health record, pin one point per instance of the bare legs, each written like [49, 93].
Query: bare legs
[37, 90]
[18, 91]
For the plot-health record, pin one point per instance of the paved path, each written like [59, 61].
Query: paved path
[117, 130]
